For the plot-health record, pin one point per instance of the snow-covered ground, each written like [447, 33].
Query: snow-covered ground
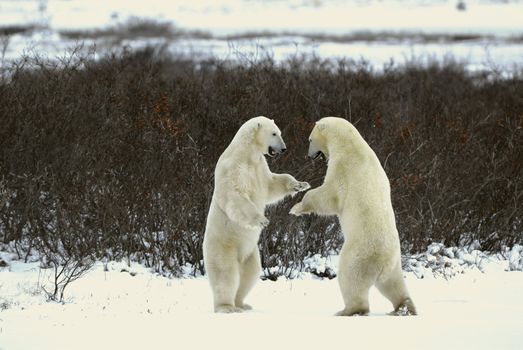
[467, 299]
[128, 307]
[485, 34]
[233, 16]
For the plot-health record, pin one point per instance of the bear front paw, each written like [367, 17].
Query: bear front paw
[262, 222]
[301, 186]
[297, 209]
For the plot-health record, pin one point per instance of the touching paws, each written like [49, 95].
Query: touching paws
[301, 186]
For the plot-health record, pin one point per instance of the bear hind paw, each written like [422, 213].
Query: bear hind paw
[244, 307]
[406, 308]
[227, 309]
[346, 312]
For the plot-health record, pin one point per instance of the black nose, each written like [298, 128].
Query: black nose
[283, 150]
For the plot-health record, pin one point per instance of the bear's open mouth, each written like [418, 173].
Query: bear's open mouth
[317, 155]
[272, 152]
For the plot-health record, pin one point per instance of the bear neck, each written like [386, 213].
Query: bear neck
[248, 148]
[346, 150]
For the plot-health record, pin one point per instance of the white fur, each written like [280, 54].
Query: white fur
[243, 187]
[357, 190]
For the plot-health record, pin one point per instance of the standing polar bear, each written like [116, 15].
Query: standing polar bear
[357, 190]
[243, 187]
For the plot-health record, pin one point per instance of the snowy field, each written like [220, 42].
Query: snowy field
[485, 35]
[466, 299]
[128, 307]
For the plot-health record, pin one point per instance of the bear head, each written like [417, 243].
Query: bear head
[331, 134]
[318, 141]
[267, 136]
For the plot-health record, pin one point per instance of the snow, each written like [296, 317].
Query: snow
[451, 261]
[475, 55]
[515, 258]
[341, 17]
[128, 307]
[498, 26]
[232, 16]
[466, 298]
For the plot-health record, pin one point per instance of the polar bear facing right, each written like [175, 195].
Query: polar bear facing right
[357, 190]
[243, 187]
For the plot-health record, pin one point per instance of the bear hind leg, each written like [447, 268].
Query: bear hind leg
[249, 274]
[355, 280]
[395, 289]
[224, 279]
[356, 301]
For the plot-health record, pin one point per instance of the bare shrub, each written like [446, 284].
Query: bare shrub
[65, 272]
[119, 153]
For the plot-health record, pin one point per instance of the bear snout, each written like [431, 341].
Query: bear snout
[316, 155]
[274, 151]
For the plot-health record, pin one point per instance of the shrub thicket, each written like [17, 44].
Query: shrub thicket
[114, 158]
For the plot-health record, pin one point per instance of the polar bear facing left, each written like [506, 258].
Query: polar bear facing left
[243, 187]
[357, 190]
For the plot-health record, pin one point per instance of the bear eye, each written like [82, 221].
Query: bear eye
[310, 140]
[273, 134]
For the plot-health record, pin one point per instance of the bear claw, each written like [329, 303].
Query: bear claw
[301, 186]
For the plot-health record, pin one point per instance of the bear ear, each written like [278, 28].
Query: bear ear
[320, 126]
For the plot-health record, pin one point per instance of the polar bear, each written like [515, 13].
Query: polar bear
[357, 190]
[243, 187]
